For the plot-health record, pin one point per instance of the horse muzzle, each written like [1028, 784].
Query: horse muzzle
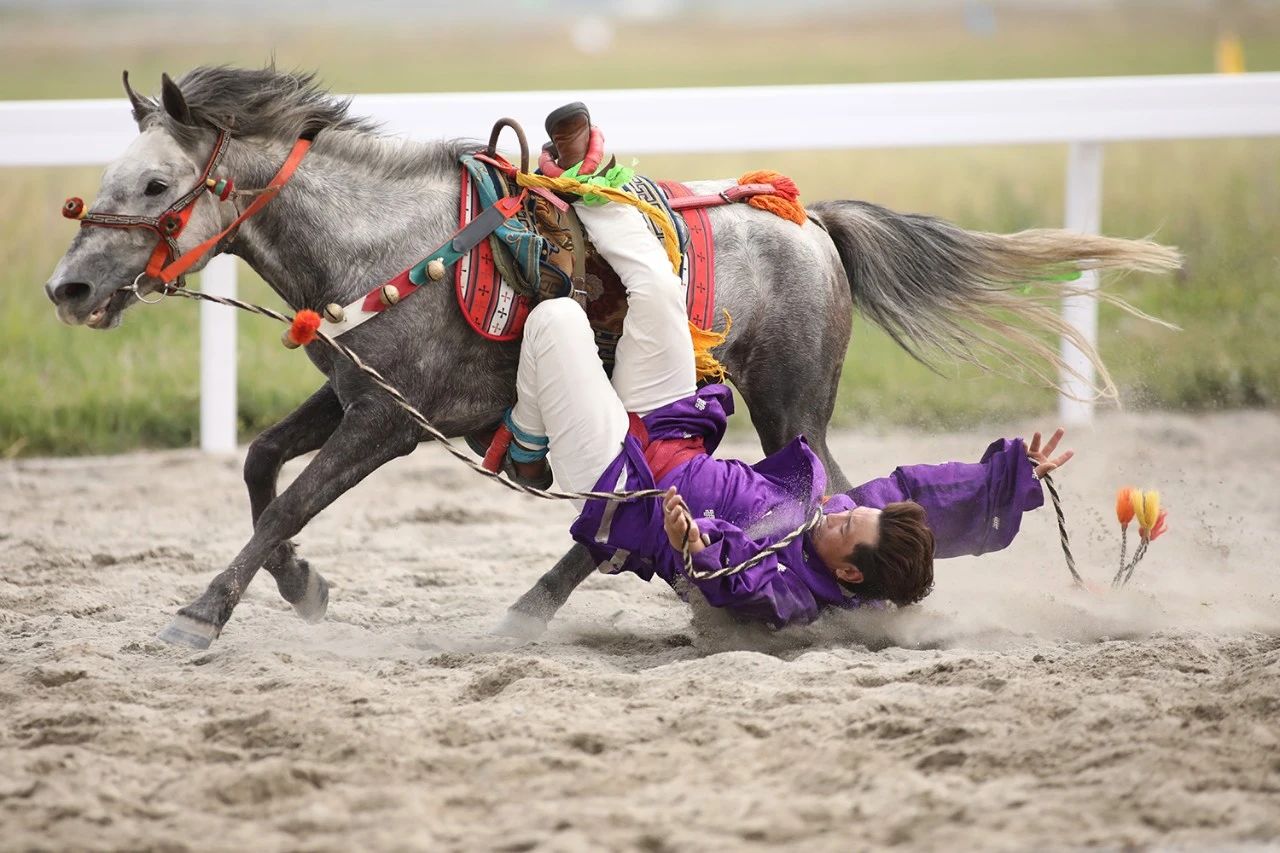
[79, 303]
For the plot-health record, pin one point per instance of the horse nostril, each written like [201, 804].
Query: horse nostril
[70, 291]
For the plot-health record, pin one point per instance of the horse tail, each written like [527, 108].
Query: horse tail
[986, 299]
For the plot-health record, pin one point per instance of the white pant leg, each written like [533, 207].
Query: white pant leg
[654, 362]
[564, 394]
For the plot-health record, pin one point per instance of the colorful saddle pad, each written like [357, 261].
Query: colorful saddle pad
[495, 292]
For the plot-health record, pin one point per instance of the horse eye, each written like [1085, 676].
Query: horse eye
[155, 187]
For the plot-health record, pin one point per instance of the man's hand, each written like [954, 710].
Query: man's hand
[1040, 456]
[679, 523]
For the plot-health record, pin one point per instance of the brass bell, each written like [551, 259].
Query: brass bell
[390, 294]
[334, 313]
[435, 269]
[289, 343]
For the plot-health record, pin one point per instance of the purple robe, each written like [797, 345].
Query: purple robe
[741, 508]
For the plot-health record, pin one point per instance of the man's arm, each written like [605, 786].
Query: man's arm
[766, 591]
[976, 507]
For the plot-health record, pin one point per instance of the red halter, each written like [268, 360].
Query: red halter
[169, 224]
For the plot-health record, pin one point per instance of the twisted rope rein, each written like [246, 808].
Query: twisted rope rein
[781, 544]
[1062, 530]
[465, 457]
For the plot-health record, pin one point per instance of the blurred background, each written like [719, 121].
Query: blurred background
[69, 390]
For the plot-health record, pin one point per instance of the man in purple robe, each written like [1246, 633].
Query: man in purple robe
[649, 426]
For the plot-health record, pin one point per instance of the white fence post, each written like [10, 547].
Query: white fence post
[1083, 214]
[218, 359]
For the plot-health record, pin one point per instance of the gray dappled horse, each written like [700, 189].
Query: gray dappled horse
[363, 207]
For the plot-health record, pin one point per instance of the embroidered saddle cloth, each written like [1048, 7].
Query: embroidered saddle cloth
[536, 254]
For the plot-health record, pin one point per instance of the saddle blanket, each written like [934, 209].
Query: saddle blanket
[497, 310]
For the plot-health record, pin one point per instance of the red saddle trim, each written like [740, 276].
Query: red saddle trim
[700, 257]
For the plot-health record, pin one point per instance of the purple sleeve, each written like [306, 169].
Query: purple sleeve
[768, 591]
[972, 508]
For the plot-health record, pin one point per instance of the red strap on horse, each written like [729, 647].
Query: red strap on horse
[738, 192]
[189, 259]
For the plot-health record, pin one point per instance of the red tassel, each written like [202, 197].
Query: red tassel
[304, 327]
[785, 200]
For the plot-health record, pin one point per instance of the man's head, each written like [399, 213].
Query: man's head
[882, 554]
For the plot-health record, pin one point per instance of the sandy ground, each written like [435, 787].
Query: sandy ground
[1008, 712]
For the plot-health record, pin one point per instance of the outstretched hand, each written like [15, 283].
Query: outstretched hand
[1041, 456]
[679, 523]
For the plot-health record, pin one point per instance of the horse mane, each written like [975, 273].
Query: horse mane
[271, 104]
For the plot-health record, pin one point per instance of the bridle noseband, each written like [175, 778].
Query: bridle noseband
[165, 262]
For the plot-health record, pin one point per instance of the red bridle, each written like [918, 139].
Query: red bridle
[165, 263]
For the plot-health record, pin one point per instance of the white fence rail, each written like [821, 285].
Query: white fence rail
[1086, 113]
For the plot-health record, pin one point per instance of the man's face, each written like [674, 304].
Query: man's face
[839, 533]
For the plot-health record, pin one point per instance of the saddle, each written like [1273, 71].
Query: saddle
[543, 252]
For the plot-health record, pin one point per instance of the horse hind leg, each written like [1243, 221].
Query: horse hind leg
[369, 435]
[304, 430]
[528, 617]
[792, 395]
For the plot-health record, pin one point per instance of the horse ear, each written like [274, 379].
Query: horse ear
[142, 107]
[174, 103]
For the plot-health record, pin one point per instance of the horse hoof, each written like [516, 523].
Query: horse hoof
[188, 632]
[521, 626]
[315, 601]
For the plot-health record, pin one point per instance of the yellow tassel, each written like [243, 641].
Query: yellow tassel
[1135, 498]
[704, 341]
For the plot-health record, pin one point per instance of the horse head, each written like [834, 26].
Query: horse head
[152, 206]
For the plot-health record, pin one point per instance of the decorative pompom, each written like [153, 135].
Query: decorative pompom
[222, 188]
[1150, 510]
[1135, 499]
[785, 200]
[1124, 506]
[304, 327]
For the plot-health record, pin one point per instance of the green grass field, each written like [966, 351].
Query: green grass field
[68, 390]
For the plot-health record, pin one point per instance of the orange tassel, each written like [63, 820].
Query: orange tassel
[785, 200]
[304, 327]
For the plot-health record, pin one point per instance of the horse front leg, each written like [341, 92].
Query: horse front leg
[369, 435]
[305, 429]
